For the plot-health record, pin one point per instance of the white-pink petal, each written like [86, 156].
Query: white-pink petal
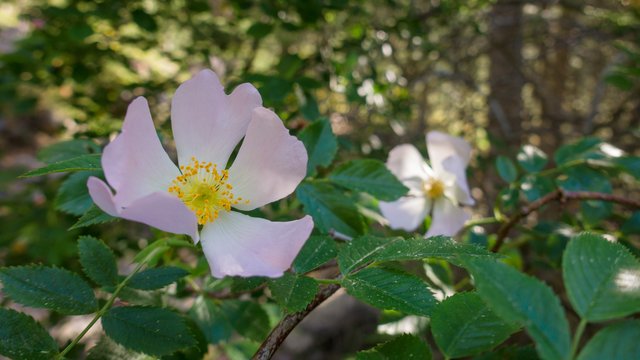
[135, 164]
[159, 209]
[406, 163]
[406, 213]
[447, 218]
[454, 165]
[270, 162]
[207, 123]
[240, 245]
[440, 146]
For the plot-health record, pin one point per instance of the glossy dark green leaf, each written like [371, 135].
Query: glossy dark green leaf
[365, 249]
[50, 288]
[463, 325]
[370, 176]
[316, 251]
[22, 338]
[629, 164]
[330, 209]
[321, 144]
[293, 292]
[153, 331]
[531, 159]
[525, 300]
[81, 163]
[615, 342]
[156, 278]
[97, 261]
[390, 289]
[602, 278]
[506, 169]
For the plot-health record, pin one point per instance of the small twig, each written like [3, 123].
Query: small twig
[561, 196]
[286, 325]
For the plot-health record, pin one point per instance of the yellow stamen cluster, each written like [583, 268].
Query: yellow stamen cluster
[433, 188]
[204, 190]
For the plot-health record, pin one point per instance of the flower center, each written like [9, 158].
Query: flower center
[204, 190]
[433, 188]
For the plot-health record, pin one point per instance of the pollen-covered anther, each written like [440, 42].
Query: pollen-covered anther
[433, 188]
[204, 190]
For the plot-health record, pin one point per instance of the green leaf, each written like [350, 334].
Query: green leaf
[81, 163]
[370, 176]
[587, 148]
[98, 261]
[402, 347]
[464, 325]
[156, 278]
[65, 150]
[93, 216]
[152, 331]
[534, 187]
[506, 169]
[107, 349]
[601, 278]
[632, 224]
[259, 30]
[520, 298]
[321, 144]
[630, 164]
[615, 342]
[532, 159]
[293, 292]
[583, 178]
[218, 321]
[390, 289]
[73, 195]
[50, 288]
[330, 209]
[316, 251]
[365, 249]
[21, 337]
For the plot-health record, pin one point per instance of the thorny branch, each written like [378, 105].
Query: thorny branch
[559, 195]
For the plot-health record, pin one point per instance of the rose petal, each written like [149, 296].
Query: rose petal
[135, 164]
[270, 163]
[207, 123]
[406, 163]
[454, 165]
[406, 213]
[237, 244]
[159, 209]
[440, 146]
[447, 218]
